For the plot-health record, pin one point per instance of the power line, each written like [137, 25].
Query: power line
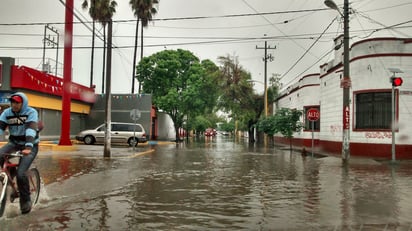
[297, 61]
[215, 40]
[165, 19]
[281, 37]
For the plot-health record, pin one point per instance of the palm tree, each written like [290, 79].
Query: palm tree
[144, 11]
[104, 11]
[100, 10]
[92, 13]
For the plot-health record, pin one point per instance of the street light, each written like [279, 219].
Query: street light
[345, 82]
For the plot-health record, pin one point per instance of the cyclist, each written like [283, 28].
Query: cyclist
[21, 121]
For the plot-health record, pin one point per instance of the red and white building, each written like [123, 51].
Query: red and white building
[370, 109]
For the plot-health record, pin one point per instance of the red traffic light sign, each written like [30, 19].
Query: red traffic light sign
[396, 81]
[313, 114]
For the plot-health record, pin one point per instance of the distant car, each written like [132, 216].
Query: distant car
[123, 133]
[224, 133]
[210, 132]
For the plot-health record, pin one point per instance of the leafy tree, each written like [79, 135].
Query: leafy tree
[201, 123]
[237, 96]
[144, 10]
[180, 85]
[228, 126]
[285, 121]
[273, 90]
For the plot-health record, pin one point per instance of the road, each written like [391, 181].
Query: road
[214, 184]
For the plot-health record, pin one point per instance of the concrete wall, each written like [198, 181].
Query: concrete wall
[122, 105]
[304, 93]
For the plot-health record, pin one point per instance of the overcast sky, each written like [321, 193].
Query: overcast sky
[301, 30]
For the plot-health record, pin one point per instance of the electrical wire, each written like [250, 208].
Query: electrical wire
[393, 27]
[273, 25]
[304, 54]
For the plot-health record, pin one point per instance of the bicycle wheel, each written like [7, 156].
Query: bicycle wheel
[34, 181]
[3, 190]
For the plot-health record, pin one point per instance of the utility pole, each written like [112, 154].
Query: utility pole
[346, 81]
[52, 41]
[266, 58]
[107, 136]
[346, 84]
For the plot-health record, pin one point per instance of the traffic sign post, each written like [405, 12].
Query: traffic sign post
[313, 115]
[135, 115]
[396, 82]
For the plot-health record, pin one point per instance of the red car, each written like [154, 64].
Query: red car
[210, 132]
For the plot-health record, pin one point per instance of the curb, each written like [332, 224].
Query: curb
[54, 145]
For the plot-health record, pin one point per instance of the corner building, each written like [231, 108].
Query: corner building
[370, 100]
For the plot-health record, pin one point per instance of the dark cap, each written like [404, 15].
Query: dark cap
[16, 98]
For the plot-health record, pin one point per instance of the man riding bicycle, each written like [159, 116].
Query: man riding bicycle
[22, 123]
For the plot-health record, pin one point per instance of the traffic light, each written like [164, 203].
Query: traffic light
[396, 81]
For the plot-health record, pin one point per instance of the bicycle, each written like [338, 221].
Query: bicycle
[8, 183]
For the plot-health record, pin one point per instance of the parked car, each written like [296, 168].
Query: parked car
[210, 132]
[122, 133]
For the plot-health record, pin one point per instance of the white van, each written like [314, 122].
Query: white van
[122, 133]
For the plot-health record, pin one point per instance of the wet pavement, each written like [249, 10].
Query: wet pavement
[214, 184]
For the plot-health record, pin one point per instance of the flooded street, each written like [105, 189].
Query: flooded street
[215, 184]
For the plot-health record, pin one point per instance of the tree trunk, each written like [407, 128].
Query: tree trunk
[141, 51]
[92, 58]
[177, 134]
[134, 55]
[104, 56]
[251, 134]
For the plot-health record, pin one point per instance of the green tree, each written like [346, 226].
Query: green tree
[285, 121]
[144, 10]
[228, 126]
[179, 84]
[201, 123]
[237, 95]
[273, 90]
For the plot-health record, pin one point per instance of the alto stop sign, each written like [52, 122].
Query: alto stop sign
[313, 114]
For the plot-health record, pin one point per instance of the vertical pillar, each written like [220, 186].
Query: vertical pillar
[346, 83]
[67, 75]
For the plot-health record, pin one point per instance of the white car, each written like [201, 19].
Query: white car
[122, 133]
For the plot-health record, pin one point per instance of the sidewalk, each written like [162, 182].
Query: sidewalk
[53, 145]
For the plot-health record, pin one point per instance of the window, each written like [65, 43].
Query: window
[308, 124]
[119, 127]
[102, 128]
[134, 128]
[373, 110]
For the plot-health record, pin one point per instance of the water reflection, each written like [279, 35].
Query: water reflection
[224, 185]
[62, 168]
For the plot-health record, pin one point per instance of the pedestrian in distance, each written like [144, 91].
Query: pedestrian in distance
[21, 120]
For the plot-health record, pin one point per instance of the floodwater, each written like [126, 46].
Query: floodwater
[216, 184]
